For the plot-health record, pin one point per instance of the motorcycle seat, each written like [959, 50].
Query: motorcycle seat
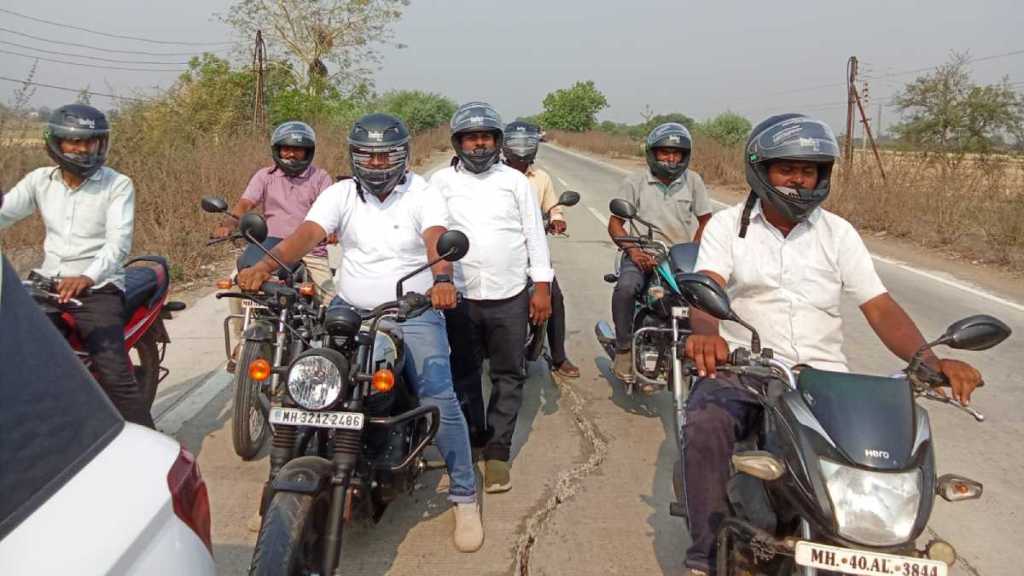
[146, 281]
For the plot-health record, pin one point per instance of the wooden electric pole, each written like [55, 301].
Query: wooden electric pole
[259, 69]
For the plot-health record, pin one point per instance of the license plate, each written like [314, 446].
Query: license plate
[250, 305]
[848, 561]
[297, 417]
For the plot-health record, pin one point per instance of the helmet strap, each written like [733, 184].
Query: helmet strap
[748, 207]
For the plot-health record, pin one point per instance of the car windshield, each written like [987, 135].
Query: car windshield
[54, 418]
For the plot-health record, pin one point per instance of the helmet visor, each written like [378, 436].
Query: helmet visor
[798, 138]
[521, 144]
[379, 157]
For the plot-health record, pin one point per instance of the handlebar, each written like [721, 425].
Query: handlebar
[43, 288]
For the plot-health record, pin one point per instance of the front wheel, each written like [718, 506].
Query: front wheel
[249, 429]
[290, 541]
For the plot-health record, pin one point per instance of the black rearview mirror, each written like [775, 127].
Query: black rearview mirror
[569, 198]
[452, 245]
[253, 227]
[213, 204]
[979, 332]
[703, 293]
[622, 208]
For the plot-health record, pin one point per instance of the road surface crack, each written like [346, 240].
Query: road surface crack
[568, 482]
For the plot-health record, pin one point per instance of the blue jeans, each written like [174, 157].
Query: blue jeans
[428, 369]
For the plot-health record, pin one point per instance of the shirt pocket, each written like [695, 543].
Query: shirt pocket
[90, 215]
[821, 287]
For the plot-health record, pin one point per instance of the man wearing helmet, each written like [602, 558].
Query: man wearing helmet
[784, 262]
[497, 209]
[520, 149]
[388, 221]
[285, 191]
[89, 213]
[671, 197]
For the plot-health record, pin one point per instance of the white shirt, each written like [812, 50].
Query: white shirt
[380, 241]
[788, 288]
[498, 211]
[88, 229]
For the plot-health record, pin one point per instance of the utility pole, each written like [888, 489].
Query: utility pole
[867, 132]
[851, 101]
[259, 65]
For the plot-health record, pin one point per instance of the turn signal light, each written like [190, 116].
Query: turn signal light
[953, 488]
[224, 284]
[759, 464]
[259, 370]
[383, 380]
[307, 289]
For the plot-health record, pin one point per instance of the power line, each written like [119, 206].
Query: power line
[2, 51]
[109, 35]
[91, 57]
[66, 89]
[111, 50]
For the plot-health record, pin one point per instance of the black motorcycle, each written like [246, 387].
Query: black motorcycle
[277, 325]
[841, 476]
[349, 432]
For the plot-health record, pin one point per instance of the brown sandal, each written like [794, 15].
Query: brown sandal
[567, 369]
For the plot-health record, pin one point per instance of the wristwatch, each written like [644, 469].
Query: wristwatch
[442, 279]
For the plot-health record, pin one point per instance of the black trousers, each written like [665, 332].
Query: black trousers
[718, 414]
[556, 326]
[100, 321]
[495, 329]
[631, 282]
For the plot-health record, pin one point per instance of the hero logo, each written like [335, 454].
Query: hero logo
[871, 453]
[377, 135]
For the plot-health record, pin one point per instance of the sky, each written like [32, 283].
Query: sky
[698, 58]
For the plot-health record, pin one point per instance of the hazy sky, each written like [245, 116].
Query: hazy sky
[699, 58]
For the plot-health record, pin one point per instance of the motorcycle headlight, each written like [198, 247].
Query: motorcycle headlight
[315, 381]
[873, 508]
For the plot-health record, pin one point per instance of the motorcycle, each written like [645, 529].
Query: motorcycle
[536, 334]
[147, 285]
[277, 325]
[841, 477]
[350, 430]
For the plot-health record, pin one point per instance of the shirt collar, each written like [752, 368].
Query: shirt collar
[57, 176]
[756, 212]
[652, 179]
[304, 175]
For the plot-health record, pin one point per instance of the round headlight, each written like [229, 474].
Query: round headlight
[314, 382]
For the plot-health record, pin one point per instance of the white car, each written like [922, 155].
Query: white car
[81, 491]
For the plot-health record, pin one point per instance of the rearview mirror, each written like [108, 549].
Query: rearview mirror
[706, 295]
[569, 198]
[622, 208]
[452, 245]
[253, 227]
[213, 204]
[978, 332]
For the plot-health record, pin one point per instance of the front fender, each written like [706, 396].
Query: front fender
[303, 475]
[259, 331]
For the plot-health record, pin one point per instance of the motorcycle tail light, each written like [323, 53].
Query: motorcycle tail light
[259, 370]
[224, 284]
[383, 380]
[190, 501]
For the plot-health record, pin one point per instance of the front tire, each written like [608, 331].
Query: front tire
[249, 428]
[290, 541]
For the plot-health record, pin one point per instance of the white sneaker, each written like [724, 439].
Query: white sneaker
[469, 530]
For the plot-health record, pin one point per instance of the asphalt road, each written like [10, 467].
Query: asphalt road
[592, 466]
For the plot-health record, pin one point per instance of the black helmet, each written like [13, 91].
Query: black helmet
[791, 137]
[77, 122]
[477, 117]
[668, 135]
[298, 135]
[375, 134]
[521, 141]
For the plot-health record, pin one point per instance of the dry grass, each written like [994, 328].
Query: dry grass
[972, 206]
[171, 176]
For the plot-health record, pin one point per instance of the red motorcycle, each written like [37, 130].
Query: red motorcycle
[147, 284]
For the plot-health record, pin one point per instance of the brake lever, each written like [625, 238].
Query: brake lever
[931, 394]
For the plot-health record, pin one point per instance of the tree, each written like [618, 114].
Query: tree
[651, 122]
[314, 33]
[574, 109]
[729, 128]
[419, 110]
[945, 111]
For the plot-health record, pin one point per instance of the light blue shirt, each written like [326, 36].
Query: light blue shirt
[88, 229]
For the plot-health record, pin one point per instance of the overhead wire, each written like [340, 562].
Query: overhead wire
[110, 50]
[91, 57]
[66, 89]
[100, 66]
[109, 35]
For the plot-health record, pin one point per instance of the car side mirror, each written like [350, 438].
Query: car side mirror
[569, 198]
[214, 204]
[452, 245]
[253, 227]
[978, 332]
[622, 208]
